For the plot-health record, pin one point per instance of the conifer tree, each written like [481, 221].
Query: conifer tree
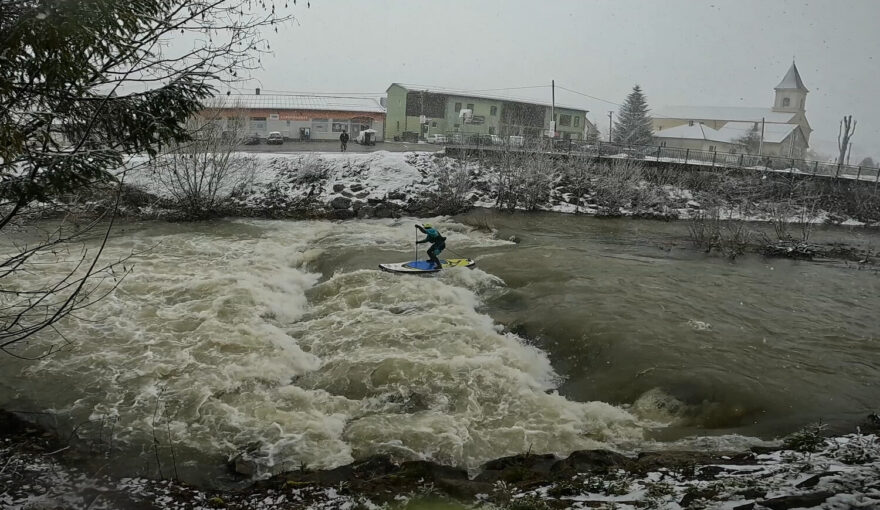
[633, 125]
[750, 142]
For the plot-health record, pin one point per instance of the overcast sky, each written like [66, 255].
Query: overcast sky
[682, 52]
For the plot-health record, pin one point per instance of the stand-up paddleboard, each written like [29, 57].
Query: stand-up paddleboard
[424, 266]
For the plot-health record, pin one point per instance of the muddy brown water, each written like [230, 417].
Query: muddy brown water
[281, 341]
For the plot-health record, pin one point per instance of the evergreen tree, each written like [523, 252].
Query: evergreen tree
[633, 125]
[83, 85]
[750, 143]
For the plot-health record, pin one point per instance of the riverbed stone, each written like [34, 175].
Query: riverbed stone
[396, 195]
[591, 461]
[340, 203]
[362, 194]
[799, 501]
[516, 468]
[356, 187]
[338, 187]
[341, 214]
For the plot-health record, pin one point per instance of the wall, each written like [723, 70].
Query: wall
[289, 122]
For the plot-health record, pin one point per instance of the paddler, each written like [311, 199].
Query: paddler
[438, 242]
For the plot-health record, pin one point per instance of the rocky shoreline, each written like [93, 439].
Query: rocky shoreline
[37, 470]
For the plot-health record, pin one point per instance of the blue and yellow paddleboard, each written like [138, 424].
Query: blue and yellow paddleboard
[423, 266]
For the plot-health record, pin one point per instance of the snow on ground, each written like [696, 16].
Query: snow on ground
[843, 473]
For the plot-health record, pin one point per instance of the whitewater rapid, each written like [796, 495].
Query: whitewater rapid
[277, 341]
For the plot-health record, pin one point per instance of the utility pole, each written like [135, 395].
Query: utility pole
[553, 109]
[848, 153]
[609, 126]
[761, 145]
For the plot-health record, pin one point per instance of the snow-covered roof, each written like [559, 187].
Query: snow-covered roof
[729, 113]
[464, 93]
[792, 80]
[773, 133]
[296, 102]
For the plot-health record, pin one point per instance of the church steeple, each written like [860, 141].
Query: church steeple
[791, 93]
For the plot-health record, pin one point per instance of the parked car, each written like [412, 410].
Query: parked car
[438, 138]
[496, 140]
[516, 141]
[367, 137]
[274, 138]
[251, 140]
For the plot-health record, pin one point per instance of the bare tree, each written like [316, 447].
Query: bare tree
[844, 134]
[203, 173]
[83, 85]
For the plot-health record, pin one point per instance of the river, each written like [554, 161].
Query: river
[281, 339]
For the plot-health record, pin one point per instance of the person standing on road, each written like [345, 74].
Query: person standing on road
[343, 140]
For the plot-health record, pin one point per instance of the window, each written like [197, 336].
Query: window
[340, 126]
[398, 125]
[434, 123]
[455, 125]
[786, 102]
[273, 116]
[565, 120]
[470, 107]
[491, 129]
[493, 110]
[711, 147]
[319, 125]
[662, 144]
[577, 122]
[457, 107]
[258, 123]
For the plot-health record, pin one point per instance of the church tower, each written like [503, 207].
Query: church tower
[791, 94]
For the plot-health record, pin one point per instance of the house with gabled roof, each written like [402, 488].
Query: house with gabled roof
[786, 131]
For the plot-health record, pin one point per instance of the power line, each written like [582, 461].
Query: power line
[588, 95]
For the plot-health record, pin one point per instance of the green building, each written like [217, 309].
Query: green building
[413, 113]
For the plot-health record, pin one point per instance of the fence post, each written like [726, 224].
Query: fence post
[815, 168]
[658, 152]
[791, 170]
[714, 155]
[687, 153]
[837, 173]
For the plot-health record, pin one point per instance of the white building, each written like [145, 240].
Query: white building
[713, 128]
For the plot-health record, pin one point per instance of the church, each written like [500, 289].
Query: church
[785, 129]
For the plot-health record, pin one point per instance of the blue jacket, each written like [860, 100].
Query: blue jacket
[432, 236]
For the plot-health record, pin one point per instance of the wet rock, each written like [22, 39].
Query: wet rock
[338, 187]
[745, 506]
[814, 480]
[514, 239]
[463, 489]
[347, 194]
[693, 204]
[364, 212]
[356, 187]
[396, 195]
[362, 194]
[800, 501]
[517, 468]
[374, 201]
[591, 461]
[764, 450]
[340, 203]
[383, 211]
[341, 214]
[244, 466]
[357, 205]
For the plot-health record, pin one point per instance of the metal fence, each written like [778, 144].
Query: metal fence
[711, 159]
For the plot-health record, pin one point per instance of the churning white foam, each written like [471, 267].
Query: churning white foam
[226, 339]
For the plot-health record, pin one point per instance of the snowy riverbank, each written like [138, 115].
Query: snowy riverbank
[807, 472]
[387, 184]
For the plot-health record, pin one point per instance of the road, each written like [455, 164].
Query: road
[333, 146]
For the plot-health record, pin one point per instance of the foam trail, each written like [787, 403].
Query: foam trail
[225, 331]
